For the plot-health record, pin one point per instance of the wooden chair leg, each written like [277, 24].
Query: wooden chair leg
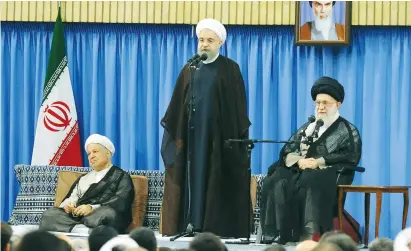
[405, 209]
[367, 218]
[340, 208]
[378, 213]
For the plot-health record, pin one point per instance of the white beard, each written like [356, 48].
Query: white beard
[324, 25]
[330, 117]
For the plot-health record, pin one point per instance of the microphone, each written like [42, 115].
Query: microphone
[193, 58]
[311, 119]
[319, 123]
[203, 57]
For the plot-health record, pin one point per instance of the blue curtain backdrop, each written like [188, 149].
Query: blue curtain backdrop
[123, 78]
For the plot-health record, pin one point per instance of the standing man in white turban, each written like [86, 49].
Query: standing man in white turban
[206, 184]
[101, 197]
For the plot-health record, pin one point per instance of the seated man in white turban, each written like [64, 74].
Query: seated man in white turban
[211, 194]
[100, 197]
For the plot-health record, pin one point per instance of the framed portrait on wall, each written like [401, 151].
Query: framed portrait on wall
[323, 22]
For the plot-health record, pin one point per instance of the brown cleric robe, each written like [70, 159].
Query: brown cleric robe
[225, 201]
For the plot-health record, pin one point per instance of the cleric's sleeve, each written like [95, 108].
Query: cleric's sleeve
[293, 147]
[124, 195]
[349, 150]
[241, 103]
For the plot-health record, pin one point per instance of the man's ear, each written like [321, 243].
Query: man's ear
[338, 105]
[220, 43]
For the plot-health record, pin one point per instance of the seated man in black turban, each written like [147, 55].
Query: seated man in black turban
[300, 190]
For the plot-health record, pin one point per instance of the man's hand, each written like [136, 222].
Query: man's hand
[69, 208]
[83, 210]
[310, 163]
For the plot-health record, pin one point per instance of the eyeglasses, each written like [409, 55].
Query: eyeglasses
[324, 103]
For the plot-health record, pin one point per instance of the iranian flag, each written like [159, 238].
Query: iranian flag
[57, 140]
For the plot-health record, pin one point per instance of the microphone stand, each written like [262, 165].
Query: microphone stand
[250, 146]
[189, 232]
[252, 141]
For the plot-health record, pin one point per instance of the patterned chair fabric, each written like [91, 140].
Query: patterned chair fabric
[38, 192]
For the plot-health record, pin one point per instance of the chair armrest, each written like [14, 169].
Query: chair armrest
[349, 169]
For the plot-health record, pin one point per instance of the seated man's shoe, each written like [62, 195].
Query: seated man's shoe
[280, 240]
[266, 239]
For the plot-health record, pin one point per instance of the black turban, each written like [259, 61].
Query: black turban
[328, 86]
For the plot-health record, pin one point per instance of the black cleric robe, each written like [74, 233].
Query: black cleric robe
[293, 199]
[115, 195]
[211, 195]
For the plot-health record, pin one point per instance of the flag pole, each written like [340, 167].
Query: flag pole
[57, 137]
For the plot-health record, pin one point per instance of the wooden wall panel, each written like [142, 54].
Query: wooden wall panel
[408, 14]
[190, 12]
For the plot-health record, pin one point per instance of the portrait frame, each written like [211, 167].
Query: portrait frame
[305, 34]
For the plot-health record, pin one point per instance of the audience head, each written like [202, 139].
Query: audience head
[403, 240]
[167, 249]
[65, 238]
[342, 240]
[42, 241]
[6, 233]
[275, 247]
[119, 243]
[206, 242]
[326, 247]
[145, 238]
[99, 236]
[327, 234]
[79, 245]
[381, 244]
[307, 245]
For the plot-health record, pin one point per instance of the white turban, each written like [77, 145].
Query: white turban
[213, 25]
[102, 140]
[123, 241]
[402, 240]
